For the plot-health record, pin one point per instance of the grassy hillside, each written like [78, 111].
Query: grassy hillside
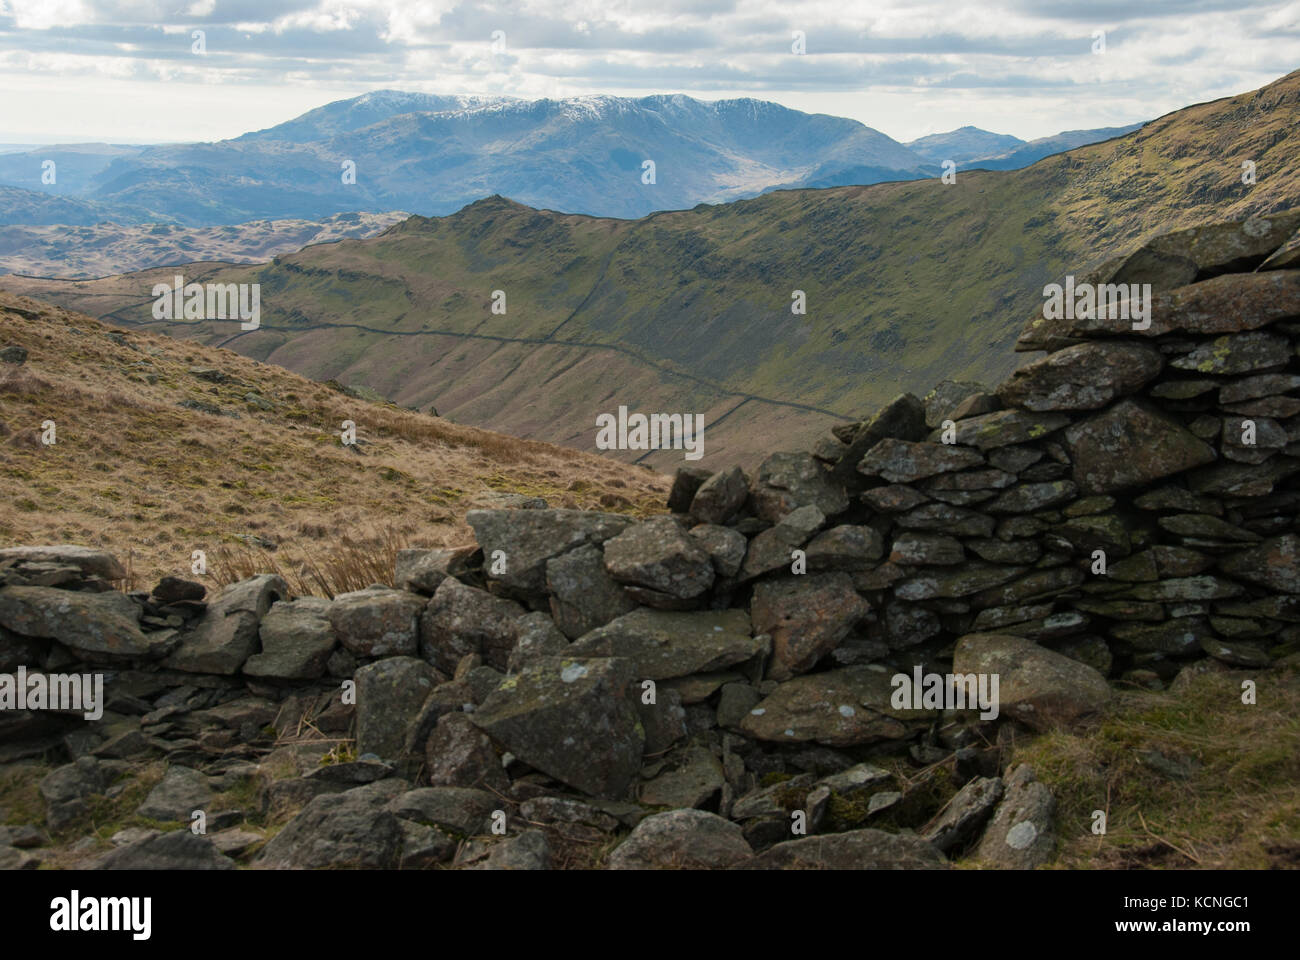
[907, 283]
[163, 447]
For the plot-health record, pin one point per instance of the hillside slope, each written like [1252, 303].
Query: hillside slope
[907, 284]
[163, 447]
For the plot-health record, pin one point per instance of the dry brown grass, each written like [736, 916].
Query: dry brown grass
[135, 473]
[353, 563]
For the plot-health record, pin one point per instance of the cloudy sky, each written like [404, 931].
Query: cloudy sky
[126, 70]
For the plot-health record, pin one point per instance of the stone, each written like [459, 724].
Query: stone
[787, 481]
[682, 840]
[866, 849]
[734, 704]
[806, 617]
[89, 560]
[692, 777]
[773, 548]
[1232, 354]
[458, 754]
[23, 836]
[1183, 389]
[12, 858]
[945, 398]
[926, 549]
[377, 622]
[180, 792]
[902, 418]
[858, 778]
[174, 590]
[457, 810]
[1276, 407]
[1226, 304]
[1249, 388]
[975, 405]
[659, 555]
[568, 810]
[774, 800]
[227, 634]
[527, 539]
[721, 496]
[895, 498]
[1205, 587]
[66, 789]
[954, 521]
[1006, 552]
[460, 620]
[1274, 564]
[1021, 835]
[971, 480]
[389, 696]
[965, 814]
[991, 619]
[1235, 654]
[351, 773]
[536, 636]
[1037, 686]
[662, 644]
[907, 624]
[726, 547]
[846, 547]
[1202, 525]
[422, 571]
[664, 721]
[351, 829]
[528, 851]
[1032, 497]
[828, 450]
[297, 639]
[901, 461]
[687, 481]
[1131, 444]
[423, 846]
[1241, 480]
[92, 623]
[838, 708]
[1176, 498]
[961, 581]
[1003, 428]
[583, 595]
[1178, 637]
[1285, 257]
[1082, 377]
[573, 719]
[177, 850]
[1091, 650]
[1107, 532]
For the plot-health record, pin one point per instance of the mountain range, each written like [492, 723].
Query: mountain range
[432, 155]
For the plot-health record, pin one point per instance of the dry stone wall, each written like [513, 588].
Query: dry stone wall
[722, 679]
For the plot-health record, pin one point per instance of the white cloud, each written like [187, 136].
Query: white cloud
[906, 67]
[44, 14]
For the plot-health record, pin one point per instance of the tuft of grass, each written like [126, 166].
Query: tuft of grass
[353, 563]
[1238, 805]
